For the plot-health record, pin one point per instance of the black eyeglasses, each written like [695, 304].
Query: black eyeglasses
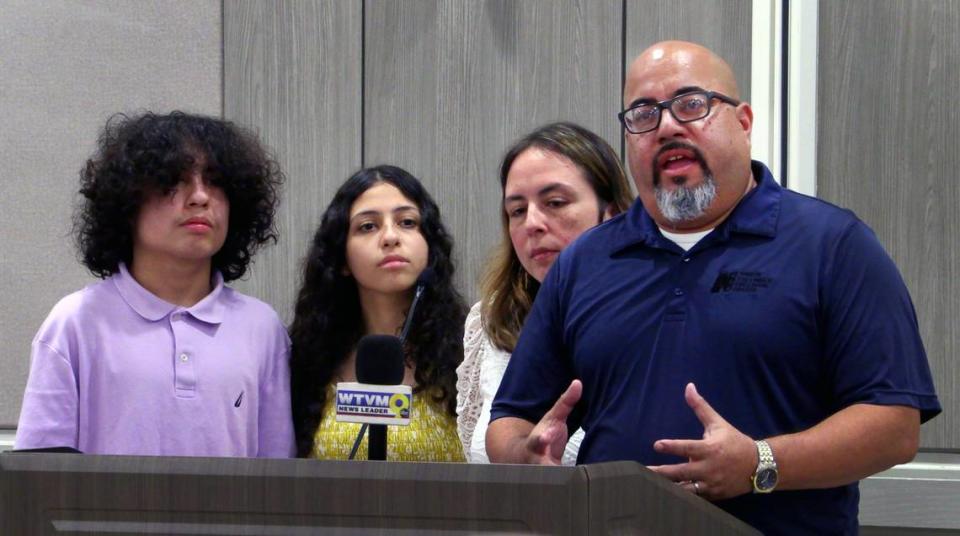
[685, 108]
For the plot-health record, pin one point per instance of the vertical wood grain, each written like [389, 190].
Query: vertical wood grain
[723, 26]
[887, 139]
[449, 85]
[292, 71]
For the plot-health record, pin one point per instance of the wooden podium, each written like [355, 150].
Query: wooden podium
[43, 493]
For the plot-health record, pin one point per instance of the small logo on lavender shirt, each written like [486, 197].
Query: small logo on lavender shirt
[239, 400]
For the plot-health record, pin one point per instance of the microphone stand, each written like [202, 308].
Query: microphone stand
[413, 307]
[381, 431]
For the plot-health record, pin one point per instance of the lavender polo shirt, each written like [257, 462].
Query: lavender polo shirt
[116, 370]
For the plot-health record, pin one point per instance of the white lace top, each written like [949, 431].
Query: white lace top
[478, 379]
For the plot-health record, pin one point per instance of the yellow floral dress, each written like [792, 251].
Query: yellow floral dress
[431, 435]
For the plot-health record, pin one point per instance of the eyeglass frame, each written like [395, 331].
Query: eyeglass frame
[666, 105]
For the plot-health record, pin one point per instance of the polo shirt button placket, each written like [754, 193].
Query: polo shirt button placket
[677, 291]
[185, 375]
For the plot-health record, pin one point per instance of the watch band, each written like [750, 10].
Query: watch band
[765, 453]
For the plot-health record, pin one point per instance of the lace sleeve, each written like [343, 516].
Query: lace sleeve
[573, 447]
[469, 396]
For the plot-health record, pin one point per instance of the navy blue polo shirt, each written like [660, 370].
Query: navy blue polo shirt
[787, 312]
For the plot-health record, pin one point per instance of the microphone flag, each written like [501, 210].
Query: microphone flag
[374, 404]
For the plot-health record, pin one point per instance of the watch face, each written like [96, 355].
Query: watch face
[766, 479]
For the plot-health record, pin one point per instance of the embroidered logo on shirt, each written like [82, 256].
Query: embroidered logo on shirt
[740, 282]
[239, 400]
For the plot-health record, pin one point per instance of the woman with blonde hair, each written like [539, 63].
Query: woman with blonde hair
[557, 182]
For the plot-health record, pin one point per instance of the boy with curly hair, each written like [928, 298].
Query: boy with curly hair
[160, 357]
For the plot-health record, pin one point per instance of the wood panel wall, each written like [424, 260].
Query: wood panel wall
[449, 85]
[292, 71]
[887, 149]
[723, 26]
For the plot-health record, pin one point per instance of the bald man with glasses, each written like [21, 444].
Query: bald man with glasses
[752, 344]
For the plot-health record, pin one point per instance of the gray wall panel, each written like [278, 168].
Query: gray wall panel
[65, 67]
[292, 72]
[887, 144]
[723, 26]
[448, 85]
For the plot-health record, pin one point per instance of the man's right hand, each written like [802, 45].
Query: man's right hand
[513, 440]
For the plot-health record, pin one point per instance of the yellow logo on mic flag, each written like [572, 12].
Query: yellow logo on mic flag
[398, 403]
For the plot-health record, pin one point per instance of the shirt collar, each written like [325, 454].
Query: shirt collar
[152, 308]
[757, 213]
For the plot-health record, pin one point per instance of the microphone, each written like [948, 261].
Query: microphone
[424, 280]
[380, 360]
[378, 397]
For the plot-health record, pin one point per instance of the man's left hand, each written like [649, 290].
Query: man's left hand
[720, 465]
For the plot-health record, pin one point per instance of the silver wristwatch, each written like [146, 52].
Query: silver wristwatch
[766, 476]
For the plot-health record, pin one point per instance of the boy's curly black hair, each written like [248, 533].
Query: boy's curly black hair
[149, 153]
[328, 321]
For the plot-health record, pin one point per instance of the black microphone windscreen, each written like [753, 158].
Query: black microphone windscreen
[380, 360]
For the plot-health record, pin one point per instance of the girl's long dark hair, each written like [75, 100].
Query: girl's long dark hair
[328, 321]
